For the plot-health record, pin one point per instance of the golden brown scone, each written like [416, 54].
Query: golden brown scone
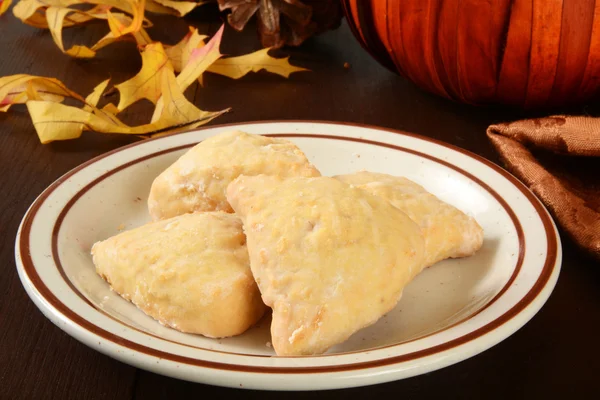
[190, 272]
[198, 180]
[328, 259]
[448, 232]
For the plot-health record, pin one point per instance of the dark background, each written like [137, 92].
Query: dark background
[555, 355]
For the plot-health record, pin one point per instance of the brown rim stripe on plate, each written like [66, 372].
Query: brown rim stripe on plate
[81, 192]
[523, 303]
[61, 269]
[77, 196]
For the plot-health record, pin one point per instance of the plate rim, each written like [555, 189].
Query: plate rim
[550, 269]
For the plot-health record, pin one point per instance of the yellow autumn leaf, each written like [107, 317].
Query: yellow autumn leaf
[55, 17]
[118, 28]
[232, 67]
[5, 107]
[182, 7]
[13, 98]
[156, 8]
[58, 14]
[13, 90]
[178, 111]
[199, 61]
[147, 83]
[28, 10]
[56, 121]
[179, 54]
[97, 12]
[141, 37]
[128, 8]
[111, 109]
[32, 12]
[107, 112]
[156, 80]
[53, 86]
[93, 98]
[31, 93]
[4, 5]
[237, 67]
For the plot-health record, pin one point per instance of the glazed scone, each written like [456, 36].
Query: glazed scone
[198, 180]
[329, 259]
[448, 232]
[189, 272]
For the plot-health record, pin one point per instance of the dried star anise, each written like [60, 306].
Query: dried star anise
[284, 22]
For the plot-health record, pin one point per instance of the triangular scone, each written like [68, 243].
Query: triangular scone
[448, 232]
[197, 181]
[190, 272]
[329, 259]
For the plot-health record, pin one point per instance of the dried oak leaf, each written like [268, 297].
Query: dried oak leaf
[181, 7]
[156, 81]
[237, 67]
[55, 121]
[13, 90]
[199, 60]
[55, 15]
[147, 83]
[180, 53]
[232, 67]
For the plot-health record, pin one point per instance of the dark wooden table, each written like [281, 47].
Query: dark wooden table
[556, 355]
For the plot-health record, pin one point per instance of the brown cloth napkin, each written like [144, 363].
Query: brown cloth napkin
[558, 182]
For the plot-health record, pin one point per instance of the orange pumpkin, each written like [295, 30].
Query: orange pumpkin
[528, 53]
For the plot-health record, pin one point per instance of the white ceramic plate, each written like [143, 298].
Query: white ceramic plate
[450, 312]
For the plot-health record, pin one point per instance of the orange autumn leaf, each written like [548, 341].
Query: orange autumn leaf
[147, 83]
[4, 5]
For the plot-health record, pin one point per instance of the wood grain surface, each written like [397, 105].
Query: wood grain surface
[553, 356]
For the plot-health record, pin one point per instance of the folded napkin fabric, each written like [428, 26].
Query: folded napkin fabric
[574, 201]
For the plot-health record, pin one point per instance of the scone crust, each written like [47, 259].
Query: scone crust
[448, 232]
[197, 181]
[329, 259]
[189, 272]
